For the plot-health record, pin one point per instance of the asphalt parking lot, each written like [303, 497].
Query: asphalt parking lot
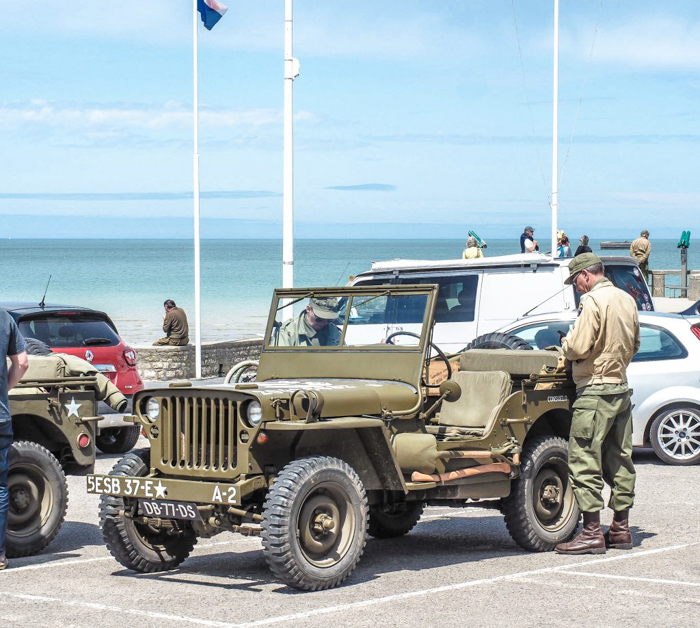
[457, 567]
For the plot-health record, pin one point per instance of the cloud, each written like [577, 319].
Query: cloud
[136, 196]
[660, 42]
[364, 187]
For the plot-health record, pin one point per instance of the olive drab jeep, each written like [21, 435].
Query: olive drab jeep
[345, 433]
[53, 420]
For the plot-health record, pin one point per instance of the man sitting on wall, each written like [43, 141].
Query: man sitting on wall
[174, 325]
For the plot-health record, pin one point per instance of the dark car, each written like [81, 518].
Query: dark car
[92, 336]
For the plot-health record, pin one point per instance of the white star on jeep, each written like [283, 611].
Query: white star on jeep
[160, 490]
[72, 408]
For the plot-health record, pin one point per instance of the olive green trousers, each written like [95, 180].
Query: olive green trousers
[600, 448]
[180, 342]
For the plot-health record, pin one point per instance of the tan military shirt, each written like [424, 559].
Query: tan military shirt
[297, 333]
[640, 249]
[604, 338]
[175, 324]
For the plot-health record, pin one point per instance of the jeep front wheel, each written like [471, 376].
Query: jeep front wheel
[314, 526]
[137, 545]
[541, 510]
[391, 521]
[38, 499]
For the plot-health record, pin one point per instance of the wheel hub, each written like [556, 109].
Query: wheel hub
[549, 493]
[20, 498]
[319, 524]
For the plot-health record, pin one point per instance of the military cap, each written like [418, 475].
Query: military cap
[644, 233]
[325, 308]
[579, 263]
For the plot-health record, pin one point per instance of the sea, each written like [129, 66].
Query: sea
[130, 279]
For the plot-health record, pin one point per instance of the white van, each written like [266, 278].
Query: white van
[481, 295]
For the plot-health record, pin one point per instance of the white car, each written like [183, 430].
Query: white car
[665, 377]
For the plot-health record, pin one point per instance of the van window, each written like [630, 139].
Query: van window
[456, 300]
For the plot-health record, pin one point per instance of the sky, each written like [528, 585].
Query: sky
[413, 118]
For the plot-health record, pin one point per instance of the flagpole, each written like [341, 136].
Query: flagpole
[555, 131]
[290, 72]
[195, 177]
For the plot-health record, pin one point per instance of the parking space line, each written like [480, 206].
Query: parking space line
[81, 561]
[454, 587]
[116, 609]
[683, 583]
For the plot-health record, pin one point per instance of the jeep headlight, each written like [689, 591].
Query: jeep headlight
[152, 409]
[253, 413]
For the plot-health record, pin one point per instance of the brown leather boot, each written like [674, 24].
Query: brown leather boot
[590, 541]
[618, 536]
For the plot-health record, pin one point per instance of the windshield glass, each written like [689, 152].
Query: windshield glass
[68, 330]
[379, 319]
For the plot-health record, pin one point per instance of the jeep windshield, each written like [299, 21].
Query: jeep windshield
[379, 318]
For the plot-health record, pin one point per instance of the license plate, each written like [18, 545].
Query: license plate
[185, 511]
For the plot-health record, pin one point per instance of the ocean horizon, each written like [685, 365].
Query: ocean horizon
[130, 279]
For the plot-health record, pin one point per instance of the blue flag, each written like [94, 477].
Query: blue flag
[211, 11]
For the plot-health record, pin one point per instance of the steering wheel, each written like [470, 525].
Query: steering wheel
[432, 345]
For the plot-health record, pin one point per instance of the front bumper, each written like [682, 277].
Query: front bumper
[196, 491]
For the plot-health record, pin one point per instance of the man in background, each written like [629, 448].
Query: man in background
[175, 326]
[640, 249]
[583, 246]
[528, 244]
[11, 346]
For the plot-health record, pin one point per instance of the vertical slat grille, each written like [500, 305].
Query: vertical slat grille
[198, 433]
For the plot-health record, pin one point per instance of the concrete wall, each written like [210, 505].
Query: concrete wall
[166, 363]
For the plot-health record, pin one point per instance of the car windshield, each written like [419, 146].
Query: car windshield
[381, 319]
[69, 329]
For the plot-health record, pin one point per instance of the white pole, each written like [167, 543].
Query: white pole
[288, 167]
[555, 132]
[195, 177]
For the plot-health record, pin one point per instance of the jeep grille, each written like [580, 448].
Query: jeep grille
[198, 433]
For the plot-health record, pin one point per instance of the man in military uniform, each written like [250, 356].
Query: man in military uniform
[174, 325]
[314, 327]
[640, 249]
[601, 345]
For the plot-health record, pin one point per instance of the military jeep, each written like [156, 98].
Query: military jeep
[344, 438]
[53, 420]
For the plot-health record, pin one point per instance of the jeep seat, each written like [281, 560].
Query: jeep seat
[519, 363]
[474, 412]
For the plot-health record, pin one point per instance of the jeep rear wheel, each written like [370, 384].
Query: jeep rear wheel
[38, 496]
[314, 526]
[117, 440]
[390, 521]
[541, 510]
[136, 545]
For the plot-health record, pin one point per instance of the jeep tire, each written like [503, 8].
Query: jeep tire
[314, 526]
[38, 496]
[136, 545]
[391, 521]
[541, 510]
[117, 440]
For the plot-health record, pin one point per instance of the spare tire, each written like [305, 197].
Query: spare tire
[496, 340]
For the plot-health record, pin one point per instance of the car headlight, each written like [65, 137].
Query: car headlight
[152, 409]
[253, 413]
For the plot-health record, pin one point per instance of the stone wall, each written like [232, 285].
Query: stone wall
[168, 363]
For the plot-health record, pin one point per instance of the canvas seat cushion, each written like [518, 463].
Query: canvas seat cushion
[517, 362]
[483, 392]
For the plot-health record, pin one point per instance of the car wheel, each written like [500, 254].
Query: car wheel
[675, 435]
[498, 340]
[388, 522]
[38, 499]
[137, 545]
[541, 510]
[117, 440]
[314, 526]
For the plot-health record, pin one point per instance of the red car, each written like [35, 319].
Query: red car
[92, 336]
